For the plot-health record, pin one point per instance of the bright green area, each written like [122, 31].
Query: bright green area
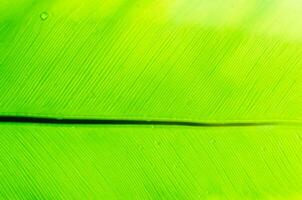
[188, 60]
[199, 60]
[131, 162]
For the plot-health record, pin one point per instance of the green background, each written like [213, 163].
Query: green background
[183, 60]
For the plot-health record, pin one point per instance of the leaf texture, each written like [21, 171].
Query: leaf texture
[210, 61]
[186, 60]
[143, 162]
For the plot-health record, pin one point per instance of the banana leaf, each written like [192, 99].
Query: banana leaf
[229, 64]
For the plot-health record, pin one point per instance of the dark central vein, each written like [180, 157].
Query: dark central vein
[70, 121]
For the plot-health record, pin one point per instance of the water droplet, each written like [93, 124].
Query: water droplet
[44, 16]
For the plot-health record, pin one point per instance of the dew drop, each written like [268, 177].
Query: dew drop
[44, 16]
